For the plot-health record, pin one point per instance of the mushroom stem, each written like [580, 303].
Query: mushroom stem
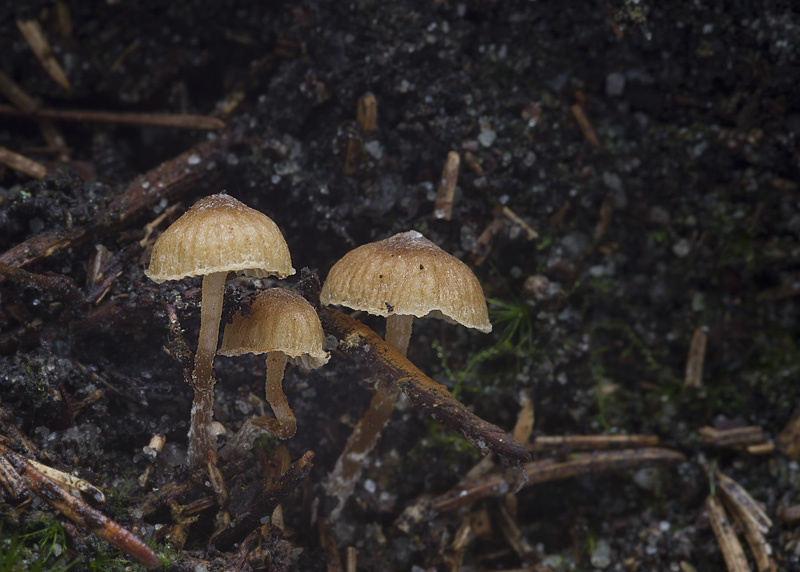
[287, 424]
[398, 331]
[201, 438]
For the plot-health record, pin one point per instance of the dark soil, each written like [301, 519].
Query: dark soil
[686, 216]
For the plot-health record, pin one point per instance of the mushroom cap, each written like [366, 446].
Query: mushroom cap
[407, 274]
[220, 234]
[280, 321]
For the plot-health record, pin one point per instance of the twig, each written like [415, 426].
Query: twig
[551, 470]
[736, 437]
[585, 125]
[22, 164]
[167, 120]
[328, 542]
[729, 545]
[70, 481]
[264, 503]
[168, 181]
[81, 513]
[358, 341]
[443, 206]
[513, 217]
[32, 31]
[16, 95]
[697, 355]
[591, 442]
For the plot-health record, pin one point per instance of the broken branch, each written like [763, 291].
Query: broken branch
[359, 341]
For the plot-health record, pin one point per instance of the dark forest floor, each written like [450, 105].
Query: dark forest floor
[628, 182]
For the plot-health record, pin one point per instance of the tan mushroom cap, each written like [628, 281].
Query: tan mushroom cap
[220, 234]
[407, 274]
[280, 321]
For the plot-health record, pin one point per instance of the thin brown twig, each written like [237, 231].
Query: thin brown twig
[553, 469]
[32, 31]
[169, 181]
[22, 164]
[591, 442]
[81, 513]
[360, 342]
[16, 95]
[175, 120]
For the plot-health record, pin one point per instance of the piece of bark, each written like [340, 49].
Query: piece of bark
[360, 342]
[553, 469]
[170, 180]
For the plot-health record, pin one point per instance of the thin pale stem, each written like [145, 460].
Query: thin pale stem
[398, 332]
[364, 437]
[201, 437]
[287, 424]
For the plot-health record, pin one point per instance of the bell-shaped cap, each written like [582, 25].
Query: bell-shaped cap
[280, 321]
[220, 234]
[407, 274]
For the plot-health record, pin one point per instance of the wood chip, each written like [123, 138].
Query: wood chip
[697, 355]
[32, 31]
[443, 206]
[732, 551]
[367, 113]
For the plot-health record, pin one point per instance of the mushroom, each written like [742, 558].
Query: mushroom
[217, 235]
[285, 327]
[401, 277]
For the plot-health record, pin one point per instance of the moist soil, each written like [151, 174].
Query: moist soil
[628, 183]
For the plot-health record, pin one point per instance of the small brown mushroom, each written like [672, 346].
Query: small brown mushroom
[215, 236]
[285, 327]
[401, 277]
